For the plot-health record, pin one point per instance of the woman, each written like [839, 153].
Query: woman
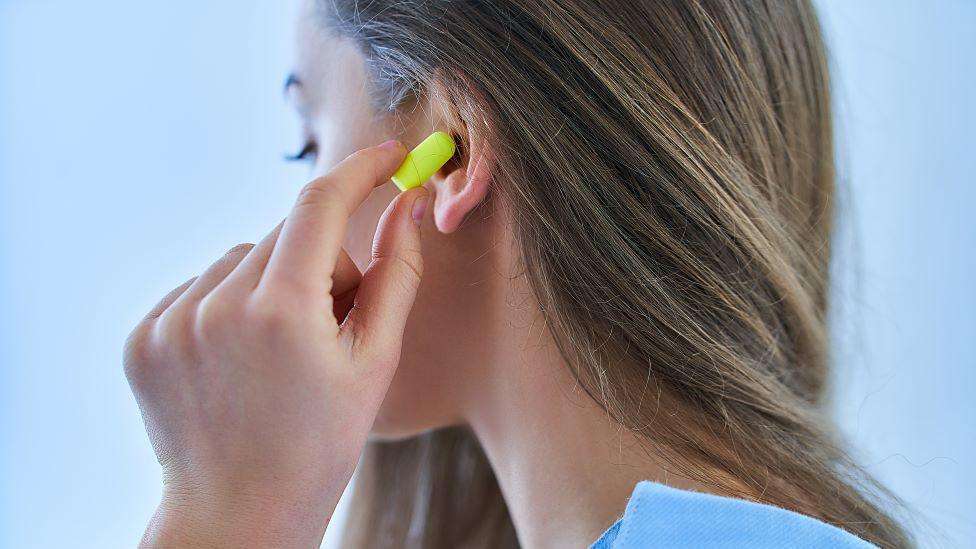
[624, 280]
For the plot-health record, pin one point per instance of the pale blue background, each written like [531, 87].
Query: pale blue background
[139, 140]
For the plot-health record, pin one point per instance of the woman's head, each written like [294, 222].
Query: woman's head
[663, 174]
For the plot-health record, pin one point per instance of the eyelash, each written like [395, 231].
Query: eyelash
[308, 152]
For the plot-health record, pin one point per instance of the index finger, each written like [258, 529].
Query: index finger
[311, 238]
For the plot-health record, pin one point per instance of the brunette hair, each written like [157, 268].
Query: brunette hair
[673, 211]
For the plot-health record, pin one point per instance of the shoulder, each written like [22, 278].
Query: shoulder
[660, 516]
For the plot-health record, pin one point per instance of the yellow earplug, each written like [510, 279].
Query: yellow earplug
[425, 159]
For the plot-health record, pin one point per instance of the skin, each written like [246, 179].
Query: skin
[256, 388]
[253, 337]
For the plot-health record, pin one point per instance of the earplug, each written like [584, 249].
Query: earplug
[424, 160]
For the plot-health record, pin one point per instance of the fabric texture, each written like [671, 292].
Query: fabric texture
[661, 516]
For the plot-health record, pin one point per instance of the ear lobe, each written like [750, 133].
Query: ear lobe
[462, 186]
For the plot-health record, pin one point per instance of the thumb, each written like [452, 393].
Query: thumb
[375, 325]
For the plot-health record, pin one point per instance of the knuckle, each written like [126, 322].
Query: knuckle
[286, 318]
[173, 332]
[136, 353]
[315, 192]
[240, 249]
[269, 316]
[214, 316]
[410, 264]
[360, 155]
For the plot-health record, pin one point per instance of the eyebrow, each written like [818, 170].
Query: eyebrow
[291, 81]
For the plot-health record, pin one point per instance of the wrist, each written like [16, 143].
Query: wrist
[186, 519]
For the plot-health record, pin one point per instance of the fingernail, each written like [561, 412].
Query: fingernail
[419, 209]
[390, 144]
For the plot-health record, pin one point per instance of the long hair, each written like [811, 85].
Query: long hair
[669, 165]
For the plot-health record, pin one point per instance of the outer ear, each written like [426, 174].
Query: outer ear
[462, 184]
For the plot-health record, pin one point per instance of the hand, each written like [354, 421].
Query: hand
[259, 380]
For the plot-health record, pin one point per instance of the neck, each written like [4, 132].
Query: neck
[565, 468]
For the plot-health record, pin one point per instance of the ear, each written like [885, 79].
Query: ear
[462, 184]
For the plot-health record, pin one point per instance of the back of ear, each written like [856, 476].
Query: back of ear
[462, 184]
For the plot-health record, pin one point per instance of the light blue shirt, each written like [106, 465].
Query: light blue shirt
[660, 516]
